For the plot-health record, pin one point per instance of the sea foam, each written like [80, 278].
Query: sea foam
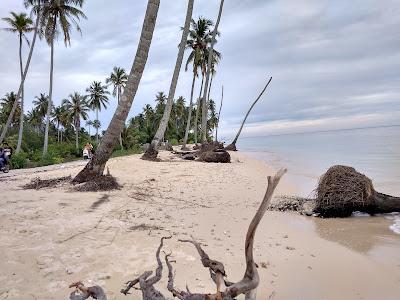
[395, 217]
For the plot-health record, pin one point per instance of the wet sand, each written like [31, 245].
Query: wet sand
[50, 238]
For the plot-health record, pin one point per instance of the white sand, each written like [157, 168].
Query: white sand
[50, 238]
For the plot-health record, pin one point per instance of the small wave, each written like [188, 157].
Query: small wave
[395, 217]
[360, 214]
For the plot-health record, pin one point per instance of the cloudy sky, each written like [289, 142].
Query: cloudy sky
[335, 64]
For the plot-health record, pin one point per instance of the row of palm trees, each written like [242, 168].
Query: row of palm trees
[55, 17]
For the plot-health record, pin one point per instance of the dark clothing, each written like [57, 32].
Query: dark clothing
[2, 163]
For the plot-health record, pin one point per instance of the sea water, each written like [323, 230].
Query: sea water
[374, 152]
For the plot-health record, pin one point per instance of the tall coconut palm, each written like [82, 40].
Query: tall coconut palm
[151, 152]
[20, 24]
[198, 42]
[6, 106]
[96, 125]
[232, 146]
[37, 9]
[209, 69]
[98, 99]
[58, 17]
[219, 114]
[57, 117]
[96, 165]
[41, 103]
[118, 79]
[89, 124]
[77, 107]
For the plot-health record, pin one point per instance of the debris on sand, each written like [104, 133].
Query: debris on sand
[301, 205]
[38, 183]
[97, 203]
[144, 227]
[216, 156]
[99, 184]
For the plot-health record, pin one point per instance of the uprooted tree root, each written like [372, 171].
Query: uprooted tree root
[341, 191]
[99, 183]
[224, 289]
[38, 183]
[95, 184]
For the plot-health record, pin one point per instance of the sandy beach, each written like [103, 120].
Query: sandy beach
[53, 237]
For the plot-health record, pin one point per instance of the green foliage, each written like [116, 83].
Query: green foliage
[135, 150]
[19, 160]
[174, 142]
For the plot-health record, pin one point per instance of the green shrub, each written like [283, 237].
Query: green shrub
[174, 142]
[19, 160]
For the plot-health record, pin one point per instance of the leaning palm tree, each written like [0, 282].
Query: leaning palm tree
[37, 9]
[58, 17]
[151, 152]
[209, 69]
[96, 165]
[77, 107]
[20, 24]
[232, 146]
[118, 79]
[97, 99]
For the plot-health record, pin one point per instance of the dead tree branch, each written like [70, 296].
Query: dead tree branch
[81, 292]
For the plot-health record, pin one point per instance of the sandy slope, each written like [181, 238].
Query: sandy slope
[50, 238]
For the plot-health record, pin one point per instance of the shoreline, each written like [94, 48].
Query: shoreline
[54, 237]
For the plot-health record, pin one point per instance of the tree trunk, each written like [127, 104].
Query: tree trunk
[120, 136]
[232, 146]
[77, 135]
[386, 203]
[21, 119]
[49, 105]
[185, 139]
[196, 122]
[167, 111]
[58, 132]
[209, 64]
[96, 165]
[15, 105]
[219, 114]
[97, 127]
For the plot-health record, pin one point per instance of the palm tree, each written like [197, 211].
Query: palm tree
[58, 115]
[209, 69]
[232, 146]
[198, 41]
[41, 103]
[97, 99]
[89, 124]
[34, 119]
[58, 16]
[96, 165]
[77, 107]
[151, 152]
[20, 24]
[219, 115]
[6, 106]
[118, 79]
[96, 125]
[37, 9]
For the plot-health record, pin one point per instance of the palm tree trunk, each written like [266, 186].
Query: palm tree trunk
[189, 114]
[167, 111]
[21, 119]
[14, 108]
[77, 135]
[49, 105]
[58, 131]
[97, 127]
[232, 146]
[209, 64]
[219, 114]
[96, 165]
[120, 136]
[196, 121]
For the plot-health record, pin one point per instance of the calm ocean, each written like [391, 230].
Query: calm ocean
[372, 151]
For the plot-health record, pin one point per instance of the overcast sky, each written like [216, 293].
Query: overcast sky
[335, 64]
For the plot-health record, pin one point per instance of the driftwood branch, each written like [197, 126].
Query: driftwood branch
[146, 284]
[81, 292]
